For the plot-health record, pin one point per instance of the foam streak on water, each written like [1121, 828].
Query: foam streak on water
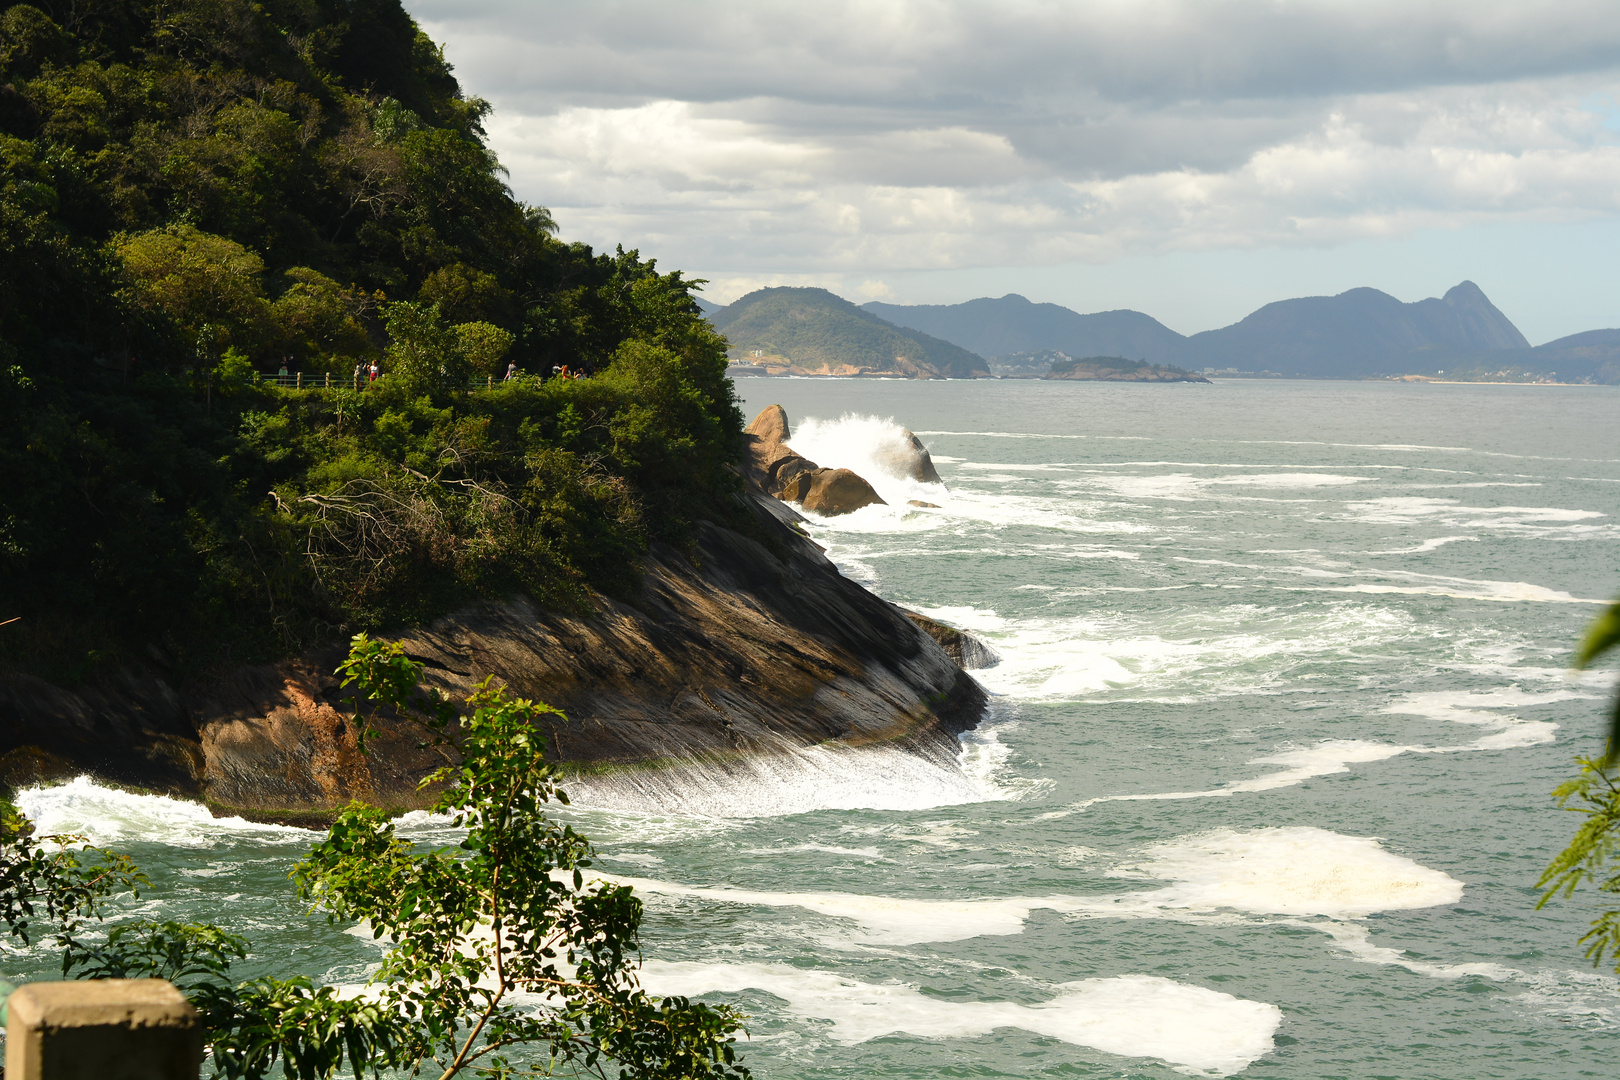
[1207, 1032]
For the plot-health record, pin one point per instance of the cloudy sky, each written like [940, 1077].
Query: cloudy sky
[1188, 159]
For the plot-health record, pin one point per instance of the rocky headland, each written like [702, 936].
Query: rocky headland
[741, 646]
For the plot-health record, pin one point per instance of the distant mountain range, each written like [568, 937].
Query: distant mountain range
[1356, 334]
[1016, 325]
[812, 332]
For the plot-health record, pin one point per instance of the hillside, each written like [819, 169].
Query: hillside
[1012, 324]
[811, 331]
[1592, 356]
[195, 192]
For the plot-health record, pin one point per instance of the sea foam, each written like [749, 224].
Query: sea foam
[799, 780]
[1202, 1031]
[1291, 871]
[109, 816]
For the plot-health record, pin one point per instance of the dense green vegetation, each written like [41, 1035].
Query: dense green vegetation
[813, 329]
[193, 191]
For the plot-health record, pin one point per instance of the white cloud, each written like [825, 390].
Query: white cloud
[784, 143]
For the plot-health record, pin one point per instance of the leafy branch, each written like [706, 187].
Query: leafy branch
[502, 958]
[1593, 855]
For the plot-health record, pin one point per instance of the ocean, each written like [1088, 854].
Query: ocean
[1263, 788]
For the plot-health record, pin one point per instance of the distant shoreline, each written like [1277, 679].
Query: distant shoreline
[1409, 379]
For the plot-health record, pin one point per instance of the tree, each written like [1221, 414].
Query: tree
[425, 354]
[206, 285]
[316, 318]
[503, 957]
[1593, 856]
[483, 346]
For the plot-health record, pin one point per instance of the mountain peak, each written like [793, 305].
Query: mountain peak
[1465, 294]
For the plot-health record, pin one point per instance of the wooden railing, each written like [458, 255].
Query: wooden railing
[297, 380]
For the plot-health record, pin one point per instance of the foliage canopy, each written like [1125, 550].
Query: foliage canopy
[196, 190]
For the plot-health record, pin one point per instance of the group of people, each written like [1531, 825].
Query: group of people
[368, 373]
[564, 371]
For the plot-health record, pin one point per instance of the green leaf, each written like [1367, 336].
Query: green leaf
[1601, 636]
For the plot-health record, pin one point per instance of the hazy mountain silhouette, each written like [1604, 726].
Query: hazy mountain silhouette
[1360, 332]
[1014, 324]
[813, 331]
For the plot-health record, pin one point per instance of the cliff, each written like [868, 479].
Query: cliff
[728, 649]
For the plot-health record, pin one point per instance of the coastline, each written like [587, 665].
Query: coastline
[726, 653]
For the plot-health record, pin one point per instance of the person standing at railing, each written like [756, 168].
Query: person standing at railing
[511, 371]
[281, 376]
[373, 372]
[359, 370]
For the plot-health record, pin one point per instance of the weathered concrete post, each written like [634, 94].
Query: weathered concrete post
[106, 1029]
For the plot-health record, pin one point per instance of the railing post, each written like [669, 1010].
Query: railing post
[329, 380]
[132, 1029]
[300, 380]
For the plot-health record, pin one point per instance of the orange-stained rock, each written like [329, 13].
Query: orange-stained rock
[838, 491]
[778, 470]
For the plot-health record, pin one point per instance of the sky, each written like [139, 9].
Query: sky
[1193, 160]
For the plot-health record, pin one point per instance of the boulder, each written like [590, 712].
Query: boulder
[838, 491]
[770, 426]
[961, 646]
[780, 471]
[909, 458]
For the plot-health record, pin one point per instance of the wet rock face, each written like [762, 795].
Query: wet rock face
[968, 651]
[791, 477]
[739, 651]
[911, 460]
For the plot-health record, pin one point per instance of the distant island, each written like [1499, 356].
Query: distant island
[1118, 369]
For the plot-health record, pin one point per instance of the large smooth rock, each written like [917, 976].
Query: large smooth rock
[778, 470]
[967, 650]
[909, 459]
[838, 491]
[770, 426]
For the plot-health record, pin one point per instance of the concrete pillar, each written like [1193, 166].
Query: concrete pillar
[105, 1029]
